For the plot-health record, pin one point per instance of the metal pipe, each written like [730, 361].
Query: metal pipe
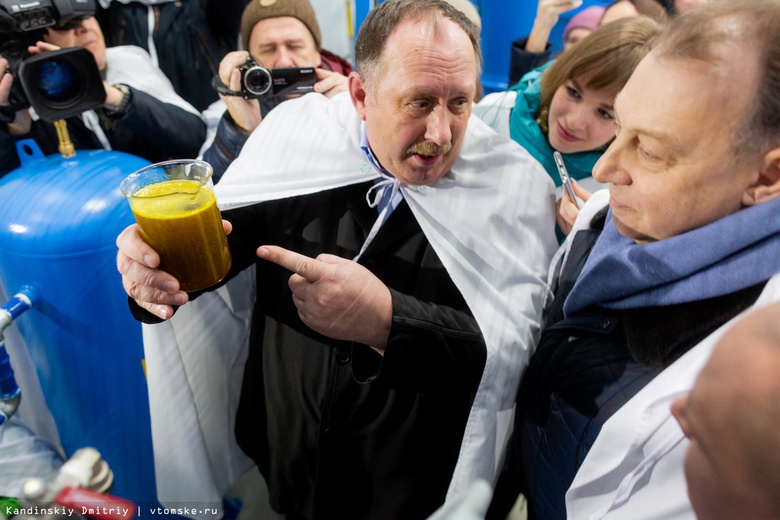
[10, 393]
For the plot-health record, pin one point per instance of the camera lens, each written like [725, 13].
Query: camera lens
[56, 81]
[257, 81]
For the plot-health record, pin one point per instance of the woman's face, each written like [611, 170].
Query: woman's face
[580, 119]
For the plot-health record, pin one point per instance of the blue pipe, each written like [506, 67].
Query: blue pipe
[10, 394]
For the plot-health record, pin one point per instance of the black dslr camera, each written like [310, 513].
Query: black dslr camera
[56, 84]
[259, 82]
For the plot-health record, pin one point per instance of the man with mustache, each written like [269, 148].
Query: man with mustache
[380, 375]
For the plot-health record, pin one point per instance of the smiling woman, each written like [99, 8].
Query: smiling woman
[566, 105]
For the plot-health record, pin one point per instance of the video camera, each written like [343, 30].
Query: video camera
[57, 84]
[257, 82]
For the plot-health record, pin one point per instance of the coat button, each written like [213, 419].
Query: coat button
[343, 356]
[605, 325]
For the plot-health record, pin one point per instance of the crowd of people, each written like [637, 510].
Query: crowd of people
[433, 327]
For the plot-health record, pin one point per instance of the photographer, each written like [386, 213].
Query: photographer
[283, 34]
[141, 115]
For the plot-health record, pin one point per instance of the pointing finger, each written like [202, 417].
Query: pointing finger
[308, 268]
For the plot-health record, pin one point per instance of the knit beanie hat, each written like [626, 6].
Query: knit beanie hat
[588, 18]
[258, 10]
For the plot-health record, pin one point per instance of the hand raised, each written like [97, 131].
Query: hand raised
[336, 297]
[548, 11]
[245, 112]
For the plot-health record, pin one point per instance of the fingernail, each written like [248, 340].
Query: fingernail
[162, 312]
[171, 287]
[148, 259]
[180, 298]
[263, 252]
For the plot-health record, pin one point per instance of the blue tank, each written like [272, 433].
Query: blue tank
[60, 219]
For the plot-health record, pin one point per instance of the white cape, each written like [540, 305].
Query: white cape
[634, 471]
[490, 220]
[133, 66]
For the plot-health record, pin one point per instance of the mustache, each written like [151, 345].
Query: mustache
[429, 148]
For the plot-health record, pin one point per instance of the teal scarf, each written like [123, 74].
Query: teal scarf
[524, 130]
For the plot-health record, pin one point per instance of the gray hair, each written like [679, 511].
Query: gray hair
[380, 22]
[698, 34]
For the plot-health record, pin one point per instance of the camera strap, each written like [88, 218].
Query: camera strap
[221, 88]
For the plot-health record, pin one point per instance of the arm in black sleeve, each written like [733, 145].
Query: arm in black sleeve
[227, 144]
[179, 132]
[521, 61]
[431, 348]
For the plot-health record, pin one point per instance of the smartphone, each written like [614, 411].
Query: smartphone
[565, 180]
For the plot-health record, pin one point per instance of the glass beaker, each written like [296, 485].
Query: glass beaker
[174, 205]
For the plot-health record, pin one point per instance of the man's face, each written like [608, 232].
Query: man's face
[417, 107]
[87, 34]
[671, 168]
[283, 41]
[730, 418]
[580, 119]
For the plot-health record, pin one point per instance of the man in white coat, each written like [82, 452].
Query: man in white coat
[380, 376]
[686, 239]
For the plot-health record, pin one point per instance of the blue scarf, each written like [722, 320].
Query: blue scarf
[730, 254]
[524, 130]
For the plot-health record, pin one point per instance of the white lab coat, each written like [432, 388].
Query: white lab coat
[634, 471]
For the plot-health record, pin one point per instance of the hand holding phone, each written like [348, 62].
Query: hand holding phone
[565, 180]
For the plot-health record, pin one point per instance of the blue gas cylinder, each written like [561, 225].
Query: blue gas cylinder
[60, 219]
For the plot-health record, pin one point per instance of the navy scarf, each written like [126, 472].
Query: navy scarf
[730, 254]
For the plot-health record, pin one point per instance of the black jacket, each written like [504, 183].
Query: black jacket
[522, 61]
[338, 431]
[150, 129]
[191, 38]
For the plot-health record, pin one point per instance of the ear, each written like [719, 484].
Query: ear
[767, 186]
[357, 91]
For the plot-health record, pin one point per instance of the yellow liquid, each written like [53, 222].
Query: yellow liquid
[181, 221]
